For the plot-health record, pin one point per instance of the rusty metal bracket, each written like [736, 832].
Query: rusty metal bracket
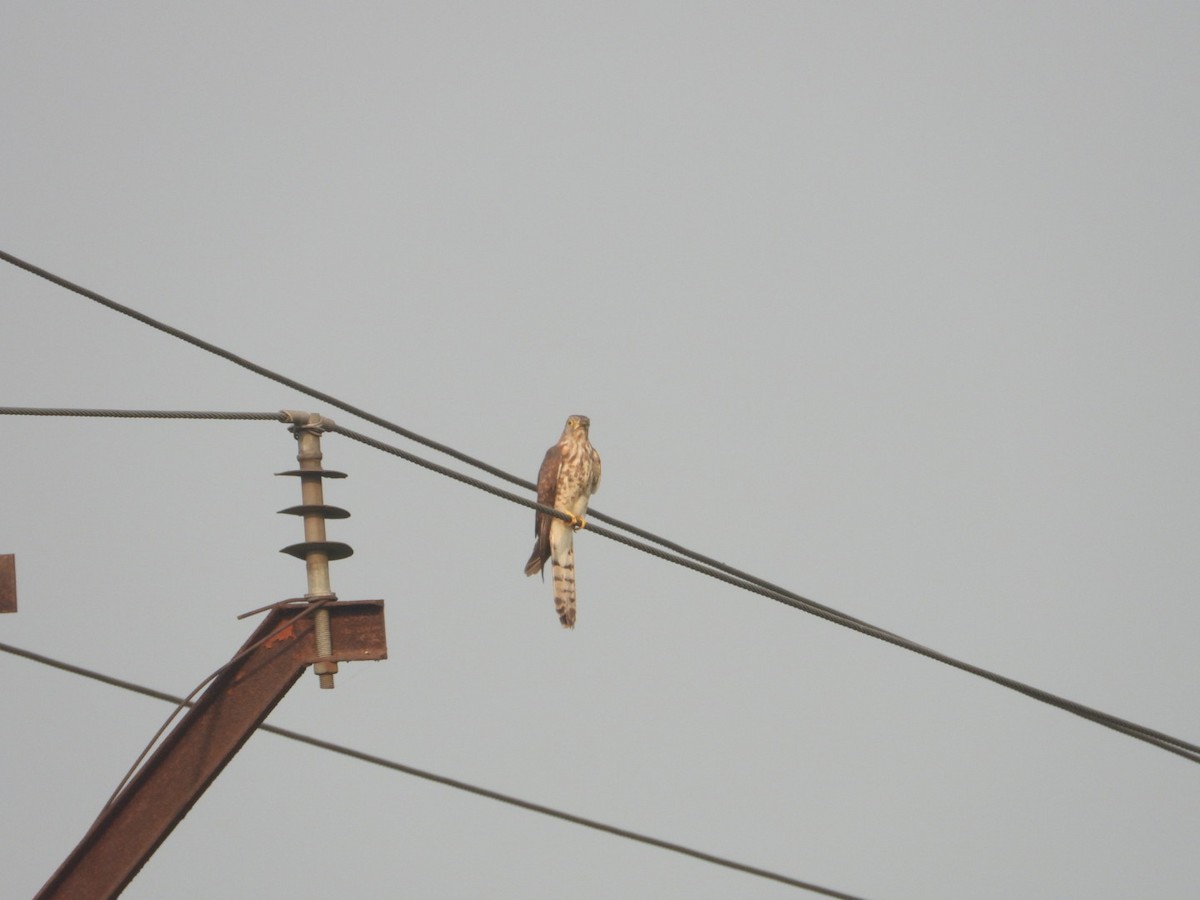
[8, 583]
[190, 758]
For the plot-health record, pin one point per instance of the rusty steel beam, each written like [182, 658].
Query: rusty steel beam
[162, 792]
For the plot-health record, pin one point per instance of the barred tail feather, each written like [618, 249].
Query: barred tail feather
[564, 589]
[562, 555]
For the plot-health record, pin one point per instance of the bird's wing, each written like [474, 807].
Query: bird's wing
[547, 493]
[547, 483]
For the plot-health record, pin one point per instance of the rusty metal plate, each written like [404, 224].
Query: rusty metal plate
[357, 629]
[8, 583]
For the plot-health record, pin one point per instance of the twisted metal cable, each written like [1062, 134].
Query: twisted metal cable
[141, 413]
[439, 779]
[682, 555]
[786, 597]
[255, 368]
[597, 515]
[1151, 736]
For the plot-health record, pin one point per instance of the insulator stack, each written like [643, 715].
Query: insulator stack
[315, 549]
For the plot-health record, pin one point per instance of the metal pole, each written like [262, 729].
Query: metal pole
[190, 758]
[159, 795]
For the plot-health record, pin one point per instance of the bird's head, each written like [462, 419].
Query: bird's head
[578, 424]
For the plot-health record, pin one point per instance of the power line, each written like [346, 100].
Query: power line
[595, 514]
[307, 609]
[439, 779]
[682, 556]
[1151, 736]
[775, 591]
[686, 558]
[257, 369]
[141, 414]
[332, 427]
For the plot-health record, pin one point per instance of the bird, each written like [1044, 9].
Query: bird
[569, 475]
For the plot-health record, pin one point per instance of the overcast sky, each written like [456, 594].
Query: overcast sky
[893, 304]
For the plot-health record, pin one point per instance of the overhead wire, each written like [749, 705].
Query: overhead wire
[681, 556]
[775, 593]
[541, 809]
[306, 610]
[181, 703]
[141, 414]
[1151, 736]
[452, 452]
[256, 368]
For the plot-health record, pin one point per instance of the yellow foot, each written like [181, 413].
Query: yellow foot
[577, 522]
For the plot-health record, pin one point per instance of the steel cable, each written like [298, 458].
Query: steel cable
[430, 776]
[1159, 739]
[141, 414]
[681, 556]
[370, 417]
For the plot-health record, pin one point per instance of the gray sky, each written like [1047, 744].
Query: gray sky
[895, 305]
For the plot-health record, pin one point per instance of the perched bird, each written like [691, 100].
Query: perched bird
[570, 474]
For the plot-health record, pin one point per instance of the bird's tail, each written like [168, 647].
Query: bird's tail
[563, 565]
